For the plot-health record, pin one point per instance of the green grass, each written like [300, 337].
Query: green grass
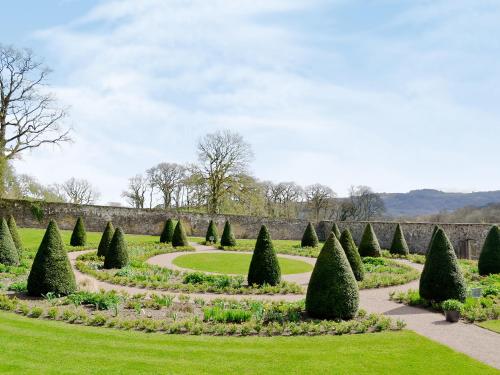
[31, 346]
[492, 325]
[234, 263]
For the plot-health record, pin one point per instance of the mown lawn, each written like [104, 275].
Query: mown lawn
[31, 346]
[492, 325]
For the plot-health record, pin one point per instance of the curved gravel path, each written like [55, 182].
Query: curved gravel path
[469, 339]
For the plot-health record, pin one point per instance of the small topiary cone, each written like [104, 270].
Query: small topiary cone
[79, 236]
[167, 232]
[351, 252]
[179, 239]
[106, 238]
[369, 246]
[336, 231]
[212, 235]
[399, 245]
[228, 239]
[310, 238]
[264, 267]
[117, 255]
[9, 255]
[11, 222]
[489, 260]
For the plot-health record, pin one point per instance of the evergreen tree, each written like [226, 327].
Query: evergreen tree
[51, 270]
[106, 238]
[228, 238]
[11, 222]
[167, 232]
[351, 252]
[333, 291]
[79, 236]
[212, 234]
[434, 230]
[309, 239]
[264, 267]
[336, 231]
[179, 238]
[369, 246]
[9, 255]
[442, 277]
[399, 245]
[117, 255]
[489, 260]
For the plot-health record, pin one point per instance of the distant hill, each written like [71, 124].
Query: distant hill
[429, 201]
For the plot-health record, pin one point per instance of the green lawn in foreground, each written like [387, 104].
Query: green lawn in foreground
[234, 263]
[492, 325]
[31, 346]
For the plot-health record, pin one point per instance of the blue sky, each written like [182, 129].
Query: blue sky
[397, 95]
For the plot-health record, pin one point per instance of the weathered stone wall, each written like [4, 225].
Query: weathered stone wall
[466, 238]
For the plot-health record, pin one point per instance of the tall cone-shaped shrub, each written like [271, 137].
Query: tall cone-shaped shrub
[264, 267]
[309, 238]
[228, 238]
[351, 252]
[179, 237]
[168, 231]
[79, 236]
[106, 238]
[434, 230]
[369, 246]
[441, 277]
[332, 292]
[51, 271]
[212, 234]
[489, 260]
[11, 222]
[117, 255]
[9, 255]
[399, 245]
[336, 231]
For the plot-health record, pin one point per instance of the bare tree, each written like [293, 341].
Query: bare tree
[166, 177]
[136, 192]
[318, 197]
[223, 156]
[80, 191]
[365, 204]
[29, 116]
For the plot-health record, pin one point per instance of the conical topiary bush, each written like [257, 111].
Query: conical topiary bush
[167, 232]
[79, 236]
[336, 231]
[264, 266]
[442, 277]
[117, 255]
[9, 255]
[333, 291]
[106, 238]
[351, 252]
[11, 222]
[489, 260]
[369, 246]
[51, 271]
[212, 235]
[309, 238]
[434, 230]
[399, 245]
[228, 239]
[179, 237]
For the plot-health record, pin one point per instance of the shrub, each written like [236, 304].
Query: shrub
[168, 231]
[336, 231]
[309, 239]
[432, 238]
[399, 245]
[51, 271]
[212, 234]
[351, 252]
[442, 277]
[332, 292]
[79, 236]
[117, 256]
[369, 246]
[489, 260]
[228, 238]
[452, 305]
[106, 238]
[264, 266]
[11, 222]
[9, 255]
[179, 237]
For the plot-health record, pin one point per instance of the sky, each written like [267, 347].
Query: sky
[396, 95]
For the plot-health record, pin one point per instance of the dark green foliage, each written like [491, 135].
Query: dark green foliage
[399, 245]
[168, 232]
[106, 238]
[264, 267]
[9, 255]
[442, 278]
[11, 222]
[79, 236]
[309, 239]
[117, 256]
[369, 246]
[351, 252]
[432, 238]
[212, 233]
[333, 291]
[51, 271]
[228, 238]
[489, 260]
[179, 238]
[336, 231]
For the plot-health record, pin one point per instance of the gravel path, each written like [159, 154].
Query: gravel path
[469, 339]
